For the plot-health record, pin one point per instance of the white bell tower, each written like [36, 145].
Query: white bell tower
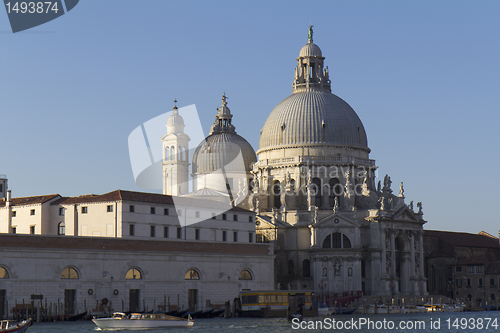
[175, 156]
[3, 186]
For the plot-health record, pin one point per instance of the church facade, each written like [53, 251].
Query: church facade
[335, 228]
[336, 232]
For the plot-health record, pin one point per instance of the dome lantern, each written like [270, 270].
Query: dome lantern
[175, 123]
[309, 73]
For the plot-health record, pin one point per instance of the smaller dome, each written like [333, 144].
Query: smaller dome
[175, 118]
[310, 50]
[217, 151]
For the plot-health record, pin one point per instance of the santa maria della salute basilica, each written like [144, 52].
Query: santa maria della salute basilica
[303, 212]
[311, 183]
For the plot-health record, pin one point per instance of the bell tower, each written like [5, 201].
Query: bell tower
[175, 145]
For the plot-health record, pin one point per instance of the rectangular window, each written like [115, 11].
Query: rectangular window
[165, 211]
[61, 211]
[14, 230]
[131, 229]
[109, 208]
[197, 233]
[165, 232]
[131, 209]
[1, 187]
[250, 237]
[224, 236]
[179, 233]
[458, 269]
[32, 212]
[469, 283]
[235, 217]
[479, 269]
[459, 283]
[250, 219]
[153, 210]
[85, 210]
[235, 236]
[14, 213]
[492, 296]
[492, 282]
[197, 214]
[32, 230]
[224, 217]
[153, 231]
[480, 282]
[469, 296]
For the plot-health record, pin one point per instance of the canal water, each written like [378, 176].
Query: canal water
[422, 322]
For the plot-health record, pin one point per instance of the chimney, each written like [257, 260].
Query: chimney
[8, 201]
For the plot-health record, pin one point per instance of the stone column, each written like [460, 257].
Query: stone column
[413, 276]
[421, 277]
[383, 271]
[376, 283]
[393, 254]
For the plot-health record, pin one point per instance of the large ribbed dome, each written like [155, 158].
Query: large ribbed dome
[313, 118]
[219, 150]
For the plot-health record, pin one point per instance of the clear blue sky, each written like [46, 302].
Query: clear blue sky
[423, 76]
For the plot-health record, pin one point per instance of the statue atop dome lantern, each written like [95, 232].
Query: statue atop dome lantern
[310, 34]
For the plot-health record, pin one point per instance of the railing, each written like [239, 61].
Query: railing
[321, 159]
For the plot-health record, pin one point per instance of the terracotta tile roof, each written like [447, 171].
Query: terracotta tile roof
[132, 196]
[21, 201]
[494, 268]
[472, 261]
[130, 245]
[464, 239]
[437, 254]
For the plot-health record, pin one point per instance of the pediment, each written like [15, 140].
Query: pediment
[405, 214]
[336, 221]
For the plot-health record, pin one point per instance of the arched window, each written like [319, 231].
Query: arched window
[277, 194]
[184, 156]
[306, 268]
[290, 267]
[337, 240]
[69, 273]
[4, 274]
[292, 184]
[179, 151]
[316, 192]
[172, 153]
[335, 190]
[167, 153]
[133, 274]
[192, 275]
[61, 228]
[245, 275]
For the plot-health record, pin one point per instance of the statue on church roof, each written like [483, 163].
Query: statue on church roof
[419, 205]
[401, 190]
[224, 98]
[310, 34]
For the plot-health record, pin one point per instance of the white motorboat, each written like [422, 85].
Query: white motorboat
[7, 326]
[141, 321]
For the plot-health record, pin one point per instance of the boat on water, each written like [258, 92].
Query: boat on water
[120, 320]
[276, 303]
[8, 326]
